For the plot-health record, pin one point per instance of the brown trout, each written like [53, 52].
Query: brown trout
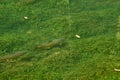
[50, 44]
[15, 55]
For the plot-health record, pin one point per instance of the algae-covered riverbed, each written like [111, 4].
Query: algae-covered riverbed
[59, 40]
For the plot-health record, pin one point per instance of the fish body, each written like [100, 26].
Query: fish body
[50, 44]
[11, 56]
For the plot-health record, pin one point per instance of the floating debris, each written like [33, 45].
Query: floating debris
[11, 56]
[118, 70]
[77, 36]
[25, 17]
[50, 44]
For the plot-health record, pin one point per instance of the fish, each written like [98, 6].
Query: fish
[14, 55]
[51, 44]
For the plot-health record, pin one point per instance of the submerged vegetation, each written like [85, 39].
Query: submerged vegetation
[95, 55]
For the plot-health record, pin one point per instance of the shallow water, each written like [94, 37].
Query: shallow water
[90, 50]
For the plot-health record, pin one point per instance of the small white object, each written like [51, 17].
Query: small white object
[77, 36]
[25, 17]
[118, 70]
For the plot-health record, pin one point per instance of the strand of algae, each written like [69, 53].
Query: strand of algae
[118, 29]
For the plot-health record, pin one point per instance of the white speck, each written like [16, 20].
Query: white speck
[77, 36]
[117, 70]
[25, 17]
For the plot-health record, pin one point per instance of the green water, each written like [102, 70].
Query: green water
[90, 49]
